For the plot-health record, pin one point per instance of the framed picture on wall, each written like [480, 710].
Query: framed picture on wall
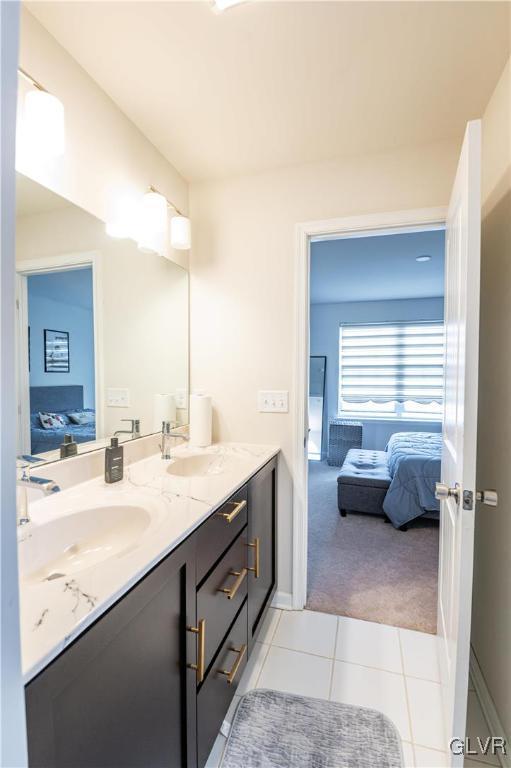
[56, 351]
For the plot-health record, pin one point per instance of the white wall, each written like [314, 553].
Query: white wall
[242, 306]
[325, 320]
[106, 155]
[491, 614]
[12, 700]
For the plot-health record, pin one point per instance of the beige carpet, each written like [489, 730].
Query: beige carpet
[361, 567]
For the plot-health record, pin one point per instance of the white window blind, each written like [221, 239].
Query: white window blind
[391, 362]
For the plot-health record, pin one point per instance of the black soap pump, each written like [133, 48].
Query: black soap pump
[68, 447]
[114, 461]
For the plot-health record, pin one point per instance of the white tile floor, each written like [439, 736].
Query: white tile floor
[356, 662]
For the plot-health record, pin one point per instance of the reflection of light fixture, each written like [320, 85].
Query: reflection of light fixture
[122, 217]
[43, 120]
[423, 258]
[153, 222]
[222, 5]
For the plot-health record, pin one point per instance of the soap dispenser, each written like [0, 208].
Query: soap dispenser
[68, 447]
[114, 461]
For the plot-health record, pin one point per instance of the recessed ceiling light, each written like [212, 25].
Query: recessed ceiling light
[423, 258]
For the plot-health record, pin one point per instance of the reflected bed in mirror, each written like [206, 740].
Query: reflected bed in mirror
[102, 331]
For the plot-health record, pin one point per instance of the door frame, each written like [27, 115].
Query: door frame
[367, 225]
[60, 263]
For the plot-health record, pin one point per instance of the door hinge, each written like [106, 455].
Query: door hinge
[468, 500]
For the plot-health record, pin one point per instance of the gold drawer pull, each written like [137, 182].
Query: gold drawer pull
[231, 591]
[200, 631]
[238, 506]
[255, 545]
[231, 674]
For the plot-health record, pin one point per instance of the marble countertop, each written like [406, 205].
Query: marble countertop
[55, 612]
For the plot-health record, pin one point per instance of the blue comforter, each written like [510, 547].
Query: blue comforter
[414, 465]
[43, 440]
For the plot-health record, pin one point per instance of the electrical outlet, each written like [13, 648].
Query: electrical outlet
[273, 401]
[117, 397]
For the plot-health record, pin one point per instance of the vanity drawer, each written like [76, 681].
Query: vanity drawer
[220, 530]
[215, 695]
[220, 597]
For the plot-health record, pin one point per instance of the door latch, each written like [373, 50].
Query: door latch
[490, 498]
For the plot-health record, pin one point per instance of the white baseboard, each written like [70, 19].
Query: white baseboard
[488, 707]
[283, 600]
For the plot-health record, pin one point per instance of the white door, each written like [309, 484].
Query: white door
[457, 491]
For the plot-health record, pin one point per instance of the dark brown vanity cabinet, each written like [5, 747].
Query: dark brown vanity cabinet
[122, 694]
[148, 685]
[262, 543]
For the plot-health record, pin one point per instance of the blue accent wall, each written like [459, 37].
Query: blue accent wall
[63, 301]
[325, 320]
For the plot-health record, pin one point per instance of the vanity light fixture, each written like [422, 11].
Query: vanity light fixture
[423, 258]
[43, 120]
[154, 224]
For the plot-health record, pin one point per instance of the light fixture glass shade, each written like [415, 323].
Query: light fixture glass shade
[43, 124]
[122, 215]
[180, 233]
[153, 223]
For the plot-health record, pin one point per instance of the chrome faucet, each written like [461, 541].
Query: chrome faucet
[166, 434]
[134, 431]
[26, 481]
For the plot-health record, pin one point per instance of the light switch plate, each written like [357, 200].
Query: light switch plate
[273, 401]
[118, 397]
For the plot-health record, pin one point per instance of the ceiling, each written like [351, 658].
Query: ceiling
[377, 268]
[32, 198]
[271, 84]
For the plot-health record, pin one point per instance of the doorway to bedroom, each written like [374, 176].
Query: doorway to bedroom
[376, 320]
[57, 372]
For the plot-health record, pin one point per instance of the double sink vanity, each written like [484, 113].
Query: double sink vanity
[140, 605]
[144, 579]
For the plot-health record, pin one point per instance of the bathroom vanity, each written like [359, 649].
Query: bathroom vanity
[134, 660]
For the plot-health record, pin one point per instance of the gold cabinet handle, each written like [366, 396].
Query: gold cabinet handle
[237, 507]
[200, 631]
[231, 591]
[231, 673]
[255, 545]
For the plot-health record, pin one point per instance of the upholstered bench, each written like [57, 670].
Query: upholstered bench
[363, 482]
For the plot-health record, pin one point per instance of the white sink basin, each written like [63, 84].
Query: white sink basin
[198, 465]
[65, 545]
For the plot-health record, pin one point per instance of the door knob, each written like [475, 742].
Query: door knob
[489, 497]
[442, 492]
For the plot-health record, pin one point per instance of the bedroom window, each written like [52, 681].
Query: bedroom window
[392, 370]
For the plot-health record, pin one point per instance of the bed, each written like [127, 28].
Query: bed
[414, 461]
[62, 400]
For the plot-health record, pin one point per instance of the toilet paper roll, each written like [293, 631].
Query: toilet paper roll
[164, 409]
[200, 420]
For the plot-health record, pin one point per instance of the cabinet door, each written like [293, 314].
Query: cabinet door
[217, 690]
[122, 695]
[262, 543]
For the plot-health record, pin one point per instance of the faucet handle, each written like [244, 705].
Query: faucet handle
[135, 423]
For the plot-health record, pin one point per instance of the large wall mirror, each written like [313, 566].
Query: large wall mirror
[102, 331]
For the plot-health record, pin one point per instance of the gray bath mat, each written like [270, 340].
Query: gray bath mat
[278, 730]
